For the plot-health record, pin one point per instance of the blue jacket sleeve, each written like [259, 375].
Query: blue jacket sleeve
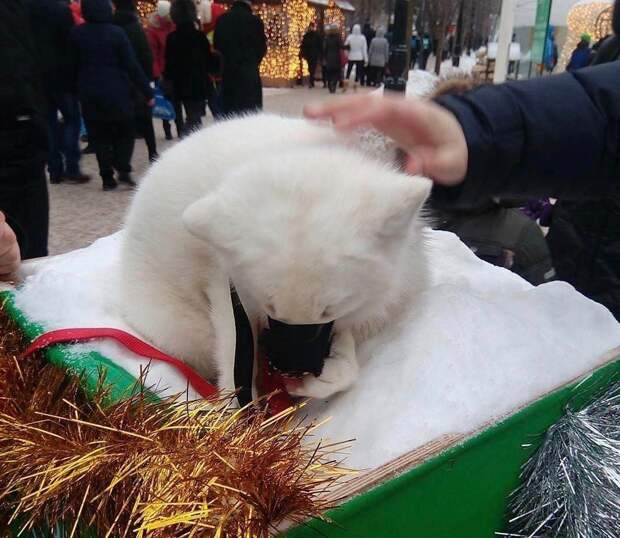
[552, 136]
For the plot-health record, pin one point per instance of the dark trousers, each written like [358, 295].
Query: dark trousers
[27, 211]
[414, 59]
[333, 77]
[64, 155]
[375, 75]
[194, 110]
[424, 60]
[167, 129]
[112, 138]
[312, 63]
[144, 127]
[359, 70]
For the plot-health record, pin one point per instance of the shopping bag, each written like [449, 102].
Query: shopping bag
[163, 108]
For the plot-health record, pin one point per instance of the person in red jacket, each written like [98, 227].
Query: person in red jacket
[76, 12]
[159, 26]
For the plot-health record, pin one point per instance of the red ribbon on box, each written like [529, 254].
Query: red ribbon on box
[272, 381]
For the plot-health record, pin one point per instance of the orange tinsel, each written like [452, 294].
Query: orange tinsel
[147, 468]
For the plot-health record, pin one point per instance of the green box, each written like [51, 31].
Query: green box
[453, 487]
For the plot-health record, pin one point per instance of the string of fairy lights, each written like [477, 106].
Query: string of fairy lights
[145, 8]
[593, 18]
[285, 24]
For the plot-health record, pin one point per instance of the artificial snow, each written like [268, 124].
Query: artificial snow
[421, 83]
[478, 344]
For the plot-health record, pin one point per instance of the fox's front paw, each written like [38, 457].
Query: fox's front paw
[339, 372]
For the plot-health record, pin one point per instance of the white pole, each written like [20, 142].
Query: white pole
[506, 24]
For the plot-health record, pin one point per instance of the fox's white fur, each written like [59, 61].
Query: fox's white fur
[304, 223]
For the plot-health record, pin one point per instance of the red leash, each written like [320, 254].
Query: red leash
[272, 382]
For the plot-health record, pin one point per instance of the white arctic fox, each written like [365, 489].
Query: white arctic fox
[306, 225]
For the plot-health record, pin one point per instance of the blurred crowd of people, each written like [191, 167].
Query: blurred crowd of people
[365, 53]
[93, 69]
[101, 65]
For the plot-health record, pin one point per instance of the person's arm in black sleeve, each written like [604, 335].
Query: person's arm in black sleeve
[555, 136]
[128, 61]
[73, 61]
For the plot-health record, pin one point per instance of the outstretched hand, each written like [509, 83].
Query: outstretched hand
[10, 257]
[431, 136]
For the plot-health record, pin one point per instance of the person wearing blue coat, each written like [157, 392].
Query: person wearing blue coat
[104, 66]
[582, 55]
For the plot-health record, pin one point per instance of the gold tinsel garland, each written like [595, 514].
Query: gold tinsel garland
[147, 468]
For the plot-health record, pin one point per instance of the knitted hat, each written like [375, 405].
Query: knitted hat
[163, 8]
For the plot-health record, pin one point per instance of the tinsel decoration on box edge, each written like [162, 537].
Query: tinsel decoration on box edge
[570, 488]
[140, 467]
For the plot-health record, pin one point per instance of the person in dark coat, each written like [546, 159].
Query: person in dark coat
[609, 49]
[23, 132]
[240, 39]
[126, 17]
[582, 55]
[516, 139]
[427, 49]
[494, 229]
[332, 56]
[51, 22]
[189, 61]
[369, 33]
[310, 50]
[105, 67]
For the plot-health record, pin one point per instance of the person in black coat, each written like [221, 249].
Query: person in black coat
[51, 22]
[517, 139]
[310, 50]
[189, 62]
[240, 39]
[126, 17]
[332, 57]
[23, 132]
[105, 67]
[609, 49]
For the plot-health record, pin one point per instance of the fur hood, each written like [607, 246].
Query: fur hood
[97, 10]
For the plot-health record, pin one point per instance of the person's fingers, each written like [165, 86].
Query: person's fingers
[341, 106]
[9, 248]
[7, 237]
[10, 259]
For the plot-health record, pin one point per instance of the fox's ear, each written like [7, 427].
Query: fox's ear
[207, 219]
[402, 204]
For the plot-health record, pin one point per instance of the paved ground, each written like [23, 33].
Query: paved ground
[82, 213]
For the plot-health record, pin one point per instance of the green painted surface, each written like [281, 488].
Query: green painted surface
[462, 492]
[91, 365]
[541, 25]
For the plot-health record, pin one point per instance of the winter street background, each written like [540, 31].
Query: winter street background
[79, 214]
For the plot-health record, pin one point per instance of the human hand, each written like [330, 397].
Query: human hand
[151, 103]
[10, 257]
[430, 135]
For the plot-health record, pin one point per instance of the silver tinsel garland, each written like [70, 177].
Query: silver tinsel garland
[571, 487]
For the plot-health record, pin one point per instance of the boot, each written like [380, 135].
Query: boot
[125, 177]
[109, 184]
